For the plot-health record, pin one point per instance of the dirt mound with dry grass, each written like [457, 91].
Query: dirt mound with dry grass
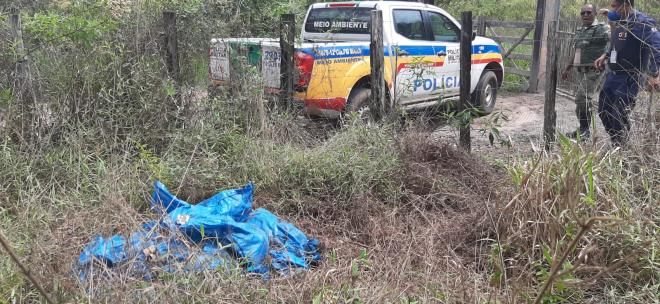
[429, 242]
[426, 242]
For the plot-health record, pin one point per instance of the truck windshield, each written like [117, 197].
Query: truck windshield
[343, 20]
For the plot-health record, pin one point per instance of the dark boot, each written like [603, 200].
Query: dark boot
[582, 134]
[583, 131]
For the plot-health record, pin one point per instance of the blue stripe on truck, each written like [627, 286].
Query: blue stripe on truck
[420, 50]
[337, 51]
[363, 50]
[485, 48]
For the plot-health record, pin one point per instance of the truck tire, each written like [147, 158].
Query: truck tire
[485, 94]
[358, 102]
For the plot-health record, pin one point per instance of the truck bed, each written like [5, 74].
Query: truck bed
[265, 54]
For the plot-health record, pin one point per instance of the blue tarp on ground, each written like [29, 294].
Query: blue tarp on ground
[223, 226]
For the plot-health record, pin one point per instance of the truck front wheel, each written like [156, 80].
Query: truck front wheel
[485, 94]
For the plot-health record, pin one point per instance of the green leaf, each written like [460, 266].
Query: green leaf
[5, 97]
[547, 255]
[570, 229]
[333, 256]
[355, 270]
[318, 298]
[170, 91]
[363, 255]
[590, 198]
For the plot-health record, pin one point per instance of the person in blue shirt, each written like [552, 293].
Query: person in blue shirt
[633, 56]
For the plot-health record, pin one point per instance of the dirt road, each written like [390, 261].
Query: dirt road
[524, 124]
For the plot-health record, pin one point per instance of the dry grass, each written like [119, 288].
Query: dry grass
[552, 215]
[378, 247]
[401, 218]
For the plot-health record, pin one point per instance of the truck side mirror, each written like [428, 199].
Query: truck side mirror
[474, 35]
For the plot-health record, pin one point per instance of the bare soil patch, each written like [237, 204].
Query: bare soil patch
[524, 126]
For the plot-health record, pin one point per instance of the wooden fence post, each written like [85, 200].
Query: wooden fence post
[22, 87]
[172, 56]
[481, 26]
[549, 113]
[536, 48]
[287, 42]
[465, 77]
[380, 109]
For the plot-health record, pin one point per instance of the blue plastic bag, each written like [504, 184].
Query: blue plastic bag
[225, 220]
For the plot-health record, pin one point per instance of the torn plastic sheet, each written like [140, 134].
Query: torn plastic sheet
[223, 229]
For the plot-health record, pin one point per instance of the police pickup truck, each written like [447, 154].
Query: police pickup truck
[421, 45]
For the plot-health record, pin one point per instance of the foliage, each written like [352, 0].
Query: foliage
[512, 10]
[525, 10]
[51, 28]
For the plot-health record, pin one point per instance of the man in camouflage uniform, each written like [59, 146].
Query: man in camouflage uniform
[589, 43]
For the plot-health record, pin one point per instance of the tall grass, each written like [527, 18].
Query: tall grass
[615, 259]
[401, 217]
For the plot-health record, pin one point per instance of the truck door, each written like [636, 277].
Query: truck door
[413, 56]
[446, 45]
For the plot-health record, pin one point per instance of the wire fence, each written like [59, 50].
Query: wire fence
[565, 36]
[122, 70]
